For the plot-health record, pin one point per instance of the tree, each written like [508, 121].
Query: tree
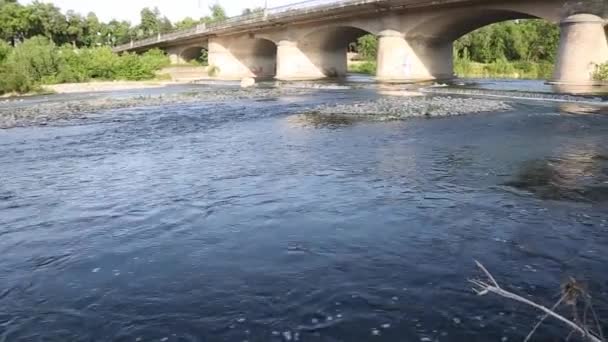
[525, 40]
[255, 10]
[367, 47]
[153, 23]
[14, 21]
[117, 32]
[149, 22]
[93, 28]
[186, 23]
[47, 20]
[76, 26]
[218, 13]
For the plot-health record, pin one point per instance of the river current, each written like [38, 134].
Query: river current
[242, 221]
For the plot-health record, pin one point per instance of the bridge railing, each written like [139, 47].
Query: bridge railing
[251, 17]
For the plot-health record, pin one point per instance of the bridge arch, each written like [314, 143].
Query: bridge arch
[247, 56]
[327, 47]
[258, 55]
[194, 53]
[426, 46]
[452, 25]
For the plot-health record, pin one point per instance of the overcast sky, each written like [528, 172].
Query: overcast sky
[174, 9]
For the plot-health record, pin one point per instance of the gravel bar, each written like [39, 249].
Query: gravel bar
[398, 108]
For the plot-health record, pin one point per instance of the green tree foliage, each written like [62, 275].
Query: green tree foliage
[253, 11]
[14, 21]
[367, 46]
[39, 44]
[39, 61]
[186, 23]
[5, 50]
[525, 40]
[19, 22]
[152, 23]
[522, 48]
[601, 72]
[218, 13]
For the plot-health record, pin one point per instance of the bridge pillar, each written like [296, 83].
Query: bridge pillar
[224, 63]
[392, 57]
[583, 45]
[174, 56]
[412, 60]
[294, 64]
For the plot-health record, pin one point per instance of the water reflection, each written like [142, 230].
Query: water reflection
[581, 176]
[575, 108]
[590, 89]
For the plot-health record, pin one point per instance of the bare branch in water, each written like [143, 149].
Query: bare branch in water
[491, 286]
[533, 331]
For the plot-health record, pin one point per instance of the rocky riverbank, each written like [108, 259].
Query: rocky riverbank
[386, 108]
[19, 113]
[398, 108]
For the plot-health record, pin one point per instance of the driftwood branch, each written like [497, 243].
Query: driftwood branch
[533, 331]
[491, 286]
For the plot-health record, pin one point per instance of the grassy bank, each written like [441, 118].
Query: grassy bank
[38, 61]
[504, 69]
[363, 67]
[498, 69]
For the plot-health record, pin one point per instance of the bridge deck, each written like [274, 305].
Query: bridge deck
[299, 12]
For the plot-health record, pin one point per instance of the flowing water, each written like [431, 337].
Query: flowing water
[241, 221]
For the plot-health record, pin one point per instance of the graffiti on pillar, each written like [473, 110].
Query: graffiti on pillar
[257, 70]
[407, 65]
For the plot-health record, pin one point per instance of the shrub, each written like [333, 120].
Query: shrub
[367, 46]
[31, 63]
[101, 63]
[500, 67]
[463, 65]
[133, 67]
[368, 67]
[39, 61]
[213, 71]
[73, 66]
[601, 72]
[5, 50]
[38, 58]
[15, 77]
[155, 59]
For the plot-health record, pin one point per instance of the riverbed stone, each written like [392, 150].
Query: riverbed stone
[247, 82]
[397, 108]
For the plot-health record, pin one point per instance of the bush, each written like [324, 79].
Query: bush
[213, 70]
[367, 46]
[463, 65]
[368, 67]
[501, 67]
[601, 72]
[37, 57]
[39, 61]
[33, 62]
[5, 50]
[101, 63]
[133, 67]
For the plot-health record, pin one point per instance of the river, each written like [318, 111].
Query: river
[240, 221]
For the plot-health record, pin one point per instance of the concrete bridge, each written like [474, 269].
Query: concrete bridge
[309, 40]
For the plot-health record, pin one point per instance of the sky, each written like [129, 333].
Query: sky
[174, 9]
